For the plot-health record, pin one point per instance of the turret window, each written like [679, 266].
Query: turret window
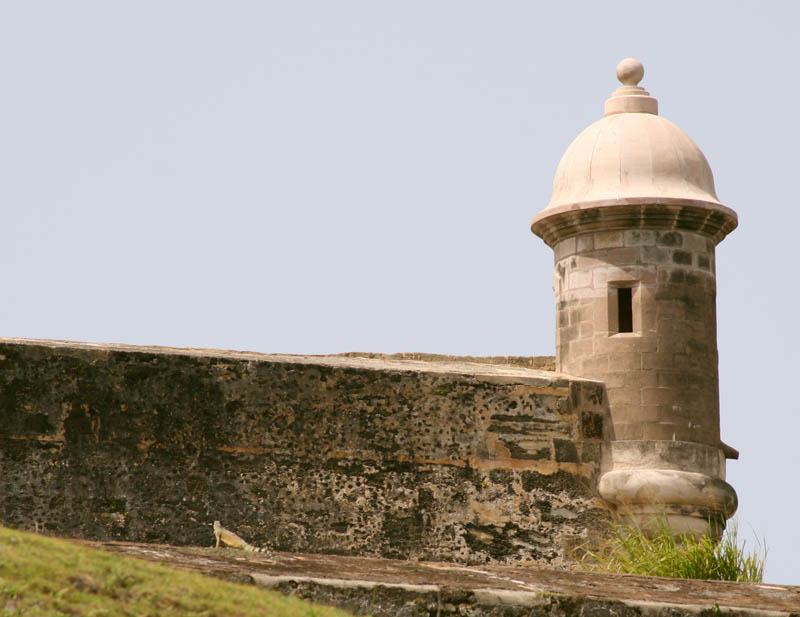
[624, 309]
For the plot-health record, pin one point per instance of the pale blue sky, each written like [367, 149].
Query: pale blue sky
[313, 177]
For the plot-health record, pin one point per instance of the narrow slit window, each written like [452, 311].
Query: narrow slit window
[625, 309]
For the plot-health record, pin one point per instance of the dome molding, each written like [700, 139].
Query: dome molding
[708, 218]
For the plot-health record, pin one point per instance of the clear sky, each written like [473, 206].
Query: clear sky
[314, 177]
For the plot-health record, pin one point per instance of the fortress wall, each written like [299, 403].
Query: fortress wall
[384, 456]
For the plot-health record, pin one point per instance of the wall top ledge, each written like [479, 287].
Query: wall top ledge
[490, 369]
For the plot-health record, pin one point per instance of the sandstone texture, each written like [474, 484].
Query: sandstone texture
[418, 459]
[661, 378]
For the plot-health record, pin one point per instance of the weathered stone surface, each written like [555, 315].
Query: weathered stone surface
[670, 390]
[539, 363]
[391, 588]
[446, 460]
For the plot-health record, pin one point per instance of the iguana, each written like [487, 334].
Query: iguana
[231, 539]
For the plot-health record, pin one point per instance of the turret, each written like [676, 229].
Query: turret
[633, 221]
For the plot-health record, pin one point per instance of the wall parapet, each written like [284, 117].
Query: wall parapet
[403, 458]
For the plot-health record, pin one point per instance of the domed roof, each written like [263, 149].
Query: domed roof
[632, 156]
[632, 152]
[628, 155]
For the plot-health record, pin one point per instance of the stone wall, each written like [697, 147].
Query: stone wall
[401, 458]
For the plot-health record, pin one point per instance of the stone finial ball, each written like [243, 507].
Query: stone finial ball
[630, 71]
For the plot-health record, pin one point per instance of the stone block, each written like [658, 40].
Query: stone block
[568, 333]
[706, 417]
[526, 449]
[628, 431]
[592, 397]
[697, 243]
[654, 255]
[585, 243]
[646, 275]
[623, 396]
[682, 258]
[666, 431]
[677, 279]
[670, 310]
[625, 413]
[641, 379]
[600, 277]
[669, 238]
[663, 275]
[618, 275]
[564, 248]
[653, 413]
[600, 310]
[581, 348]
[639, 237]
[565, 451]
[583, 262]
[579, 278]
[625, 342]
[622, 256]
[658, 360]
[592, 451]
[681, 379]
[583, 293]
[615, 378]
[595, 364]
[608, 239]
[658, 396]
[577, 315]
[626, 361]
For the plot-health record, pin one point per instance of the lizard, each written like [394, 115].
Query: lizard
[231, 539]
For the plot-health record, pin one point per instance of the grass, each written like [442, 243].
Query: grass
[629, 550]
[42, 576]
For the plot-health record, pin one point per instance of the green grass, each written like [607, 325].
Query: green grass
[42, 576]
[629, 550]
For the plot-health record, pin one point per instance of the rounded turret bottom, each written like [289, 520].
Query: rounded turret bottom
[645, 484]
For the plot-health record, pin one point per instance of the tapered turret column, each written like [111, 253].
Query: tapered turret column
[634, 221]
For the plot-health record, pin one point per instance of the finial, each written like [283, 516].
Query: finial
[630, 71]
[630, 97]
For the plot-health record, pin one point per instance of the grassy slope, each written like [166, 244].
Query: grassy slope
[46, 576]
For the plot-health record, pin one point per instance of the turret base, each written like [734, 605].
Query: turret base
[645, 484]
